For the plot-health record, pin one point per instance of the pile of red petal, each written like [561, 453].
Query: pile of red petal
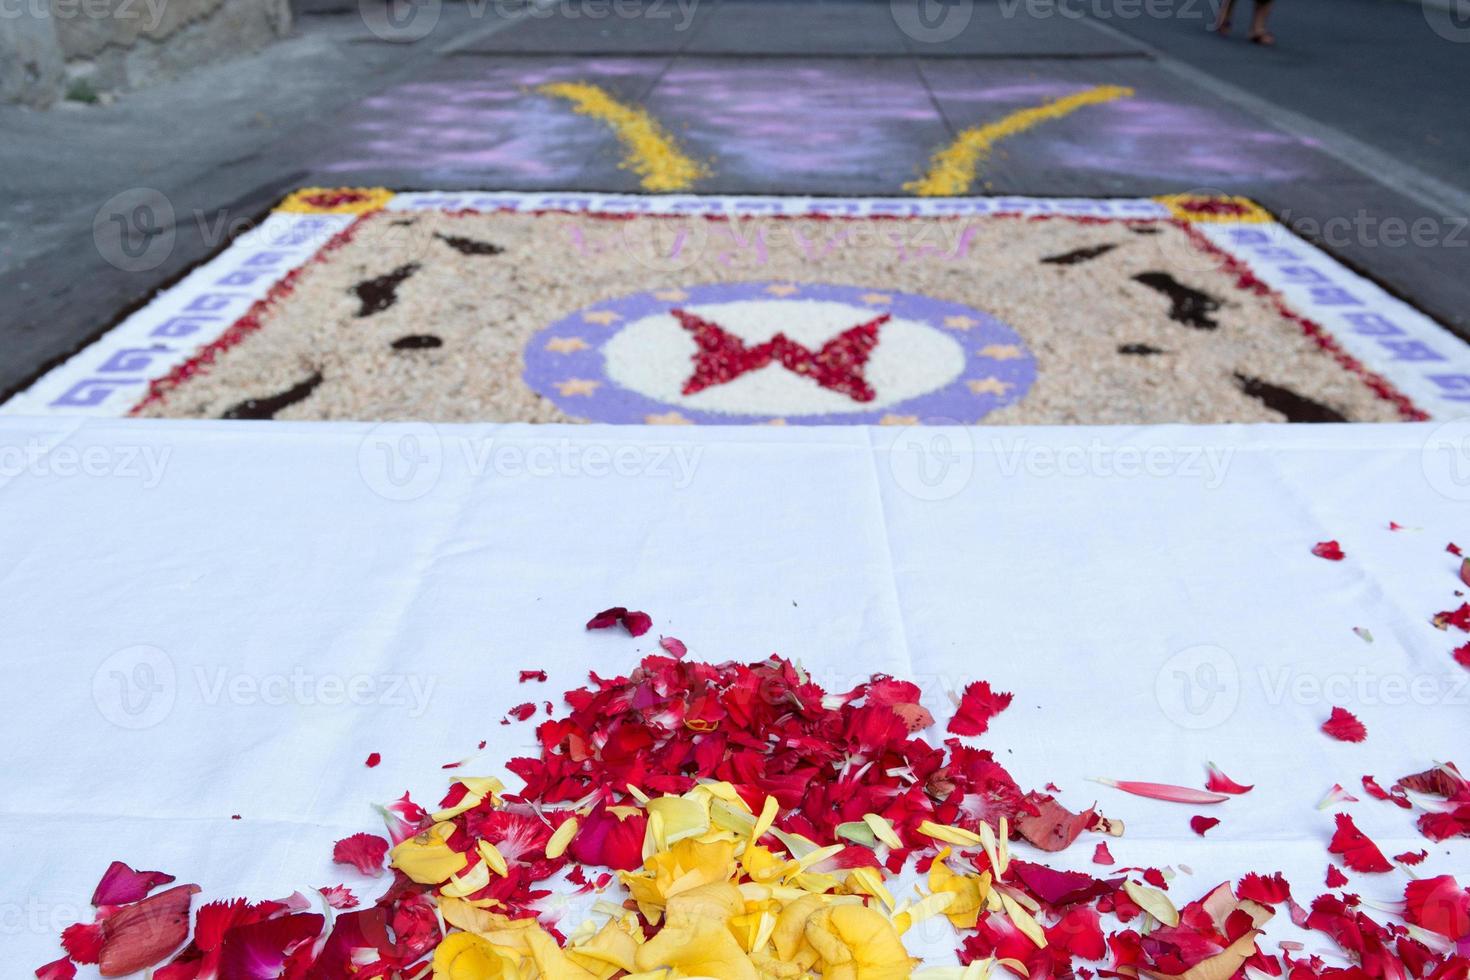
[769, 730]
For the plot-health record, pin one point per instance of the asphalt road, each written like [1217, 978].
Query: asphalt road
[1352, 130]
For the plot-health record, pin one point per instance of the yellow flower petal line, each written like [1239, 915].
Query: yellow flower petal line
[952, 169]
[651, 152]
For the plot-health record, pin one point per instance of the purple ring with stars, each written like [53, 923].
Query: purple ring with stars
[556, 355]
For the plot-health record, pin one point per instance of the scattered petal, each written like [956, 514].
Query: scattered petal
[673, 647]
[62, 969]
[536, 675]
[373, 759]
[1101, 854]
[1336, 796]
[1330, 550]
[1165, 791]
[365, 852]
[145, 933]
[339, 897]
[1335, 877]
[1344, 726]
[1355, 849]
[1203, 825]
[1411, 858]
[1218, 782]
[1266, 889]
[121, 885]
[978, 704]
[637, 623]
[1364, 634]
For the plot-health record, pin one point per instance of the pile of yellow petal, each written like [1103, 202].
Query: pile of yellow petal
[722, 903]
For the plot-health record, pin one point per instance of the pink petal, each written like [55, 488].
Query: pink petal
[121, 885]
[1165, 791]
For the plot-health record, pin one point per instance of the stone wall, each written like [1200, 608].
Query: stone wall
[113, 45]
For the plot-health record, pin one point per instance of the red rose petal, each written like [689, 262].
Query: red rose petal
[533, 675]
[1335, 877]
[62, 969]
[1101, 854]
[1453, 549]
[607, 618]
[978, 704]
[373, 759]
[1356, 850]
[1344, 726]
[674, 648]
[637, 623]
[1203, 825]
[121, 885]
[1411, 858]
[1462, 655]
[365, 852]
[1330, 550]
[523, 711]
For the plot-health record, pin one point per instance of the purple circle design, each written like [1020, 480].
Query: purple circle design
[999, 377]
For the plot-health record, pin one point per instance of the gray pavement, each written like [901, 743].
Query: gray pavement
[799, 97]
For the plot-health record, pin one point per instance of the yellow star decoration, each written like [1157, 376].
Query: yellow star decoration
[899, 420]
[961, 322]
[1001, 352]
[780, 289]
[605, 318]
[667, 418]
[671, 295]
[578, 386]
[876, 299]
[566, 345]
[989, 386]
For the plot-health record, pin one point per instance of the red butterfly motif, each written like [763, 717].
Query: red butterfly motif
[838, 365]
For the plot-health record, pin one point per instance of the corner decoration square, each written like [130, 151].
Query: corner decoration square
[364, 304]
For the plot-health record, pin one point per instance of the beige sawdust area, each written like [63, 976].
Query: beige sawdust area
[486, 307]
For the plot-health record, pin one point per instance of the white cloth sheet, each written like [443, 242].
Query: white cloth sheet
[209, 619]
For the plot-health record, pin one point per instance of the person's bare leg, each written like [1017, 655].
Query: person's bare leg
[1259, 33]
[1222, 21]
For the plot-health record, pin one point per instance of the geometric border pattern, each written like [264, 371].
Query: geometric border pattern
[1416, 361]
